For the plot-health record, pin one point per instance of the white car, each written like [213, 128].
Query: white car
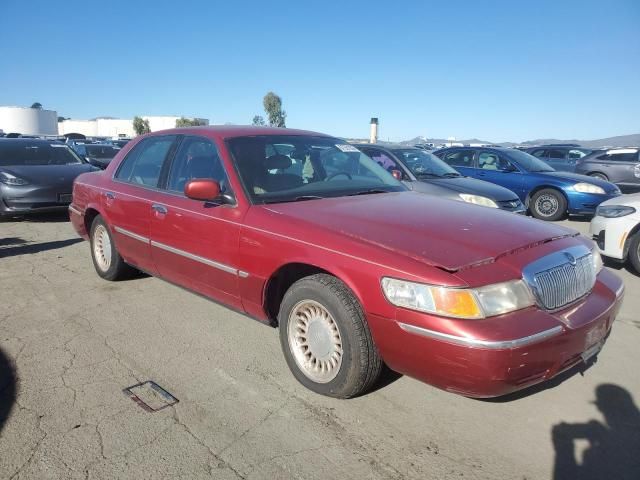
[616, 228]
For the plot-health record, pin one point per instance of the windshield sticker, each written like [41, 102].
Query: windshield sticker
[345, 147]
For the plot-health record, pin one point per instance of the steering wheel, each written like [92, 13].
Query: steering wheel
[333, 175]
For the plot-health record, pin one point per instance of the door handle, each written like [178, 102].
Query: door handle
[160, 208]
[110, 195]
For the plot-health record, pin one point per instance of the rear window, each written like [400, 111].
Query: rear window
[21, 153]
[101, 151]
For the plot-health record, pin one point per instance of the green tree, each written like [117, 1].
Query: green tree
[258, 120]
[189, 122]
[36, 105]
[140, 126]
[273, 108]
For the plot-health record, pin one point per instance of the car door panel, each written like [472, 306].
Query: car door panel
[511, 179]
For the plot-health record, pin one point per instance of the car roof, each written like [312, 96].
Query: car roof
[230, 131]
[26, 141]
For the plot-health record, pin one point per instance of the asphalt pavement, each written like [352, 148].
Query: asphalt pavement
[71, 342]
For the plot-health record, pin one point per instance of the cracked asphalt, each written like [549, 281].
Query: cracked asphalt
[70, 342]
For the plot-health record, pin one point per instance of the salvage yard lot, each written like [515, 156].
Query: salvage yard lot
[75, 342]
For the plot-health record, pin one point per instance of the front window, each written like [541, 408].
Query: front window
[22, 153]
[312, 167]
[529, 162]
[424, 164]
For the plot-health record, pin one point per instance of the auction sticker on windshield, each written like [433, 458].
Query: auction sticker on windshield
[345, 147]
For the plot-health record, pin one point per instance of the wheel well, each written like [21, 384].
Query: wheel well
[599, 173]
[627, 243]
[89, 215]
[279, 283]
[543, 187]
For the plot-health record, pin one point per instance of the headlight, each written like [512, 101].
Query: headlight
[588, 188]
[468, 303]
[597, 261]
[9, 179]
[478, 200]
[614, 211]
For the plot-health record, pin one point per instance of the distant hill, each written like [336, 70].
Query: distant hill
[619, 141]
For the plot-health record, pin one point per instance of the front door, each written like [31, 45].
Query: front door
[195, 243]
[494, 168]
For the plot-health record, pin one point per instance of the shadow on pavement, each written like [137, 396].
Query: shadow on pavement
[617, 265]
[17, 246]
[613, 449]
[7, 388]
[52, 217]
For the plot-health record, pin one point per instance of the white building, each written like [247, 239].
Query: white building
[117, 127]
[28, 121]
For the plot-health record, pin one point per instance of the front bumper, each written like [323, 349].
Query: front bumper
[17, 200]
[498, 363]
[586, 203]
[611, 234]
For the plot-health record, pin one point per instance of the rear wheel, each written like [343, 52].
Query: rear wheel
[106, 259]
[548, 204]
[325, 338]
[599, 175]
[634, 252]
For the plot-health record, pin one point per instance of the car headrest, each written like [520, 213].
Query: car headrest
[202, 167]
[277, 161]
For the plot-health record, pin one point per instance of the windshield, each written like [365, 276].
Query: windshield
[22, 153]
[424, 164]
[312, 167]
[101, 151]
[529, 162]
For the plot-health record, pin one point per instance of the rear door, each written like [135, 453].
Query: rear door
[462, 161]
[195, 243]
[128, 203]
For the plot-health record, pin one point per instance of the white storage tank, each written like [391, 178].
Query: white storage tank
[28, 121]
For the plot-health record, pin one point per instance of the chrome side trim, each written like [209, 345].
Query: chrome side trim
[131, 234]
[488, 344]
[191, 256]
[242, 274]
[75, 210]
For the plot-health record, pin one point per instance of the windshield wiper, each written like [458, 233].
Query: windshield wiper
[301, 198]
[451, 175]
[370, 191]
[427, 175]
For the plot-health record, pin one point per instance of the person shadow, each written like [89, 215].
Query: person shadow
[613, 450]
[8, 387]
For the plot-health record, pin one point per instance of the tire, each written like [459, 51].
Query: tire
[548, 204]
[599, 175]
[634, 252]
[106, 259]
[331, 353]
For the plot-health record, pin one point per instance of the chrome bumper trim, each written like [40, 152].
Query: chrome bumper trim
[74, 210]
[191, 256]
[488, 344]
[620, 291]
[135, 236]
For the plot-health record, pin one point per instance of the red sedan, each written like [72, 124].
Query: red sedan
[304, 232]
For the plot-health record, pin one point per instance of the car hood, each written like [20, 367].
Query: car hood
[475, 187]
[576, 177]
[49, 174]
[442, 233]
[630, 199]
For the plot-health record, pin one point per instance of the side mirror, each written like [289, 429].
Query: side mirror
[204, 189]
[397, 174]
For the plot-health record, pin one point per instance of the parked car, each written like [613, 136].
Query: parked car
[549, 195]
[353, 268]
[36, 175]
[561, 157]
[99, 154]
[618, 165]
[616, 229]
[425, 173]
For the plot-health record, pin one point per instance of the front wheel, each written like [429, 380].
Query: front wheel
[548, 204]
[599, 175]
[325, 338]
[634, 252]
[106, 259]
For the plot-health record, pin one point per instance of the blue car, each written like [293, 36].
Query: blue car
[548, 194]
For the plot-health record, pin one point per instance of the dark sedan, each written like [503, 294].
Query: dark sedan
[99, 155]
[423, 172]
[37, 176]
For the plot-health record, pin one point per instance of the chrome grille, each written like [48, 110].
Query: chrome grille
[562, 278]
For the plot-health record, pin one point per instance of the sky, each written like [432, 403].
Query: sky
[494, 70]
